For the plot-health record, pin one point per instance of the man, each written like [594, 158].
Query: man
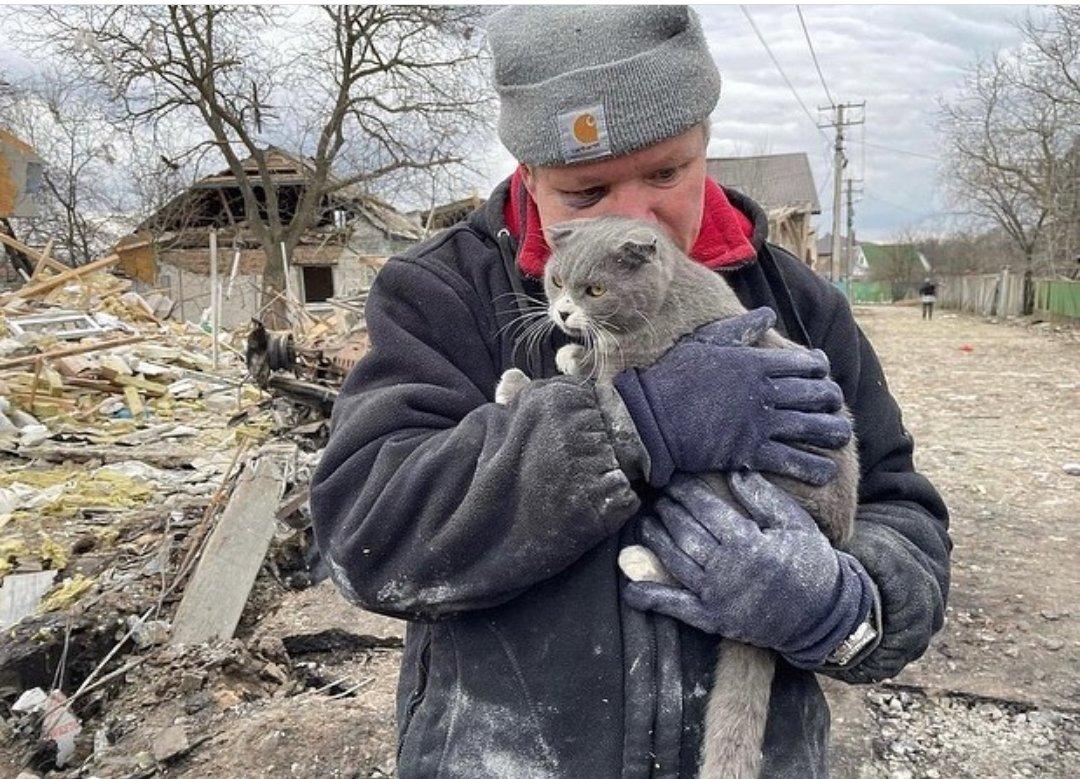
[928, 291]
[495, 529]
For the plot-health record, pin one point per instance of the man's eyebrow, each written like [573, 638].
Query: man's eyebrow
[583, 185]
[673, 160]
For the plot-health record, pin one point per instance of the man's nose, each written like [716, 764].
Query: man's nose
[631, 202]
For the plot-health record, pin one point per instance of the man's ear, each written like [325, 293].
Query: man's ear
[635, 253]
[529, 177]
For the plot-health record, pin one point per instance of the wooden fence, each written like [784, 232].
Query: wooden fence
[993, 294]
[1057, 299]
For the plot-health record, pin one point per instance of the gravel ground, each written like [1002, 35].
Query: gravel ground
[995, 411]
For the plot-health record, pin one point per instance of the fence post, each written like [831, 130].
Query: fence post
[1003, 304]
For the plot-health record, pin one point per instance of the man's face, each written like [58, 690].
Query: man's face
[663, 184]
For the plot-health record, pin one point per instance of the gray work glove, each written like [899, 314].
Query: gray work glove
[711, 404]
[771, 580]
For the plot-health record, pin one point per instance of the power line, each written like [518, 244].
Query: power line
[898, 151]
[883, 201]
[781, 70]
[813, 55]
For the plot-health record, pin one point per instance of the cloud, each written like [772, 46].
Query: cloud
[898, 59]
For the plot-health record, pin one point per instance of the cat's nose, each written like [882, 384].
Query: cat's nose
[564, 315]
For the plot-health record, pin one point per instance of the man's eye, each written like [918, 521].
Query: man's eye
[665, 174]
[586, 197]
[595, 290]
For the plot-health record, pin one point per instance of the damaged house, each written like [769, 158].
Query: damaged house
[337, 257]
[21, 170]
[783, 185]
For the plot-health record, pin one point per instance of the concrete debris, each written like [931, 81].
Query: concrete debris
[20, 595]
[170, 743]
[142, 485]
[58, 724]
[147, 634]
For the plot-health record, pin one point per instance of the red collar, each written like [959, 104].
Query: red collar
[724, 239]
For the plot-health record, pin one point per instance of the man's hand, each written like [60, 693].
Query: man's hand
[771, 580]
[710, 404]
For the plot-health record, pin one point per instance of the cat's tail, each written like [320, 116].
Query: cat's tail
[736, 713]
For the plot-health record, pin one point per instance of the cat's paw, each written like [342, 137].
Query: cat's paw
[512, 382]
[570, 359]
[641, 565]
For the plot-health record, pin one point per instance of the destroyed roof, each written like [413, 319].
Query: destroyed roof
[384, 216]
[283, 167]
[447, 214]
[286, 170]
[773, 180]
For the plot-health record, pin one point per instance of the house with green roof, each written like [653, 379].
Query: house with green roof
[895, 262]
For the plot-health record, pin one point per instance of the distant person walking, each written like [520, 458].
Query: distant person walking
[928, 290]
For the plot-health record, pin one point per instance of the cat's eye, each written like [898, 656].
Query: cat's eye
[595, 290]
[556, 281]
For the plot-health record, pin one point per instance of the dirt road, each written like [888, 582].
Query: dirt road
[995, 412]
[307, 689]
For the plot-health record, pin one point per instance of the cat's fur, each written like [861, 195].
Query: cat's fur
[645, 295]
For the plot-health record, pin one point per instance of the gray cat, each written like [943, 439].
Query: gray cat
[629, 294]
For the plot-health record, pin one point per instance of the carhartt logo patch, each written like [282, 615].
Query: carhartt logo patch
[584, 133]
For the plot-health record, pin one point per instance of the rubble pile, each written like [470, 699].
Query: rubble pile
[143, 486]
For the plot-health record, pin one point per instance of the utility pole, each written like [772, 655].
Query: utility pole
[850, 230]
[849, 254]
[840, 121]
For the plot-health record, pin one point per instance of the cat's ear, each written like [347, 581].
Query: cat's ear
[635, 253]
[556, 235]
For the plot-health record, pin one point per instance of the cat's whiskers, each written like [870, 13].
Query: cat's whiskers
[608, 340]
[592, 348]
[521, 296]
[538, 311]
[530, 336]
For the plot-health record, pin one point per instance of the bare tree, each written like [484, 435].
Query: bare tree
[65, 123]
[964, 250]
[1012, 143]
[1054, 44]
[367, 93]
[1001, 146]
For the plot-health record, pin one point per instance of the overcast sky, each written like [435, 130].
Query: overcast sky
[898, 59]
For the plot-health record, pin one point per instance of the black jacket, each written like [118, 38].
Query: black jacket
[495, 531]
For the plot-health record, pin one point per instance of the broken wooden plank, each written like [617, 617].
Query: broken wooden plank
[20, 595]
[215, 597]
[134, 401]
[39, 364]
[156, 453]
[22, 248]
[145, 385]
[43, 260]
[99, 385]
[51, 283]
[69, 350]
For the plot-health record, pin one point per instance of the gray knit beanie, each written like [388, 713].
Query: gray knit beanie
[580, 83]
